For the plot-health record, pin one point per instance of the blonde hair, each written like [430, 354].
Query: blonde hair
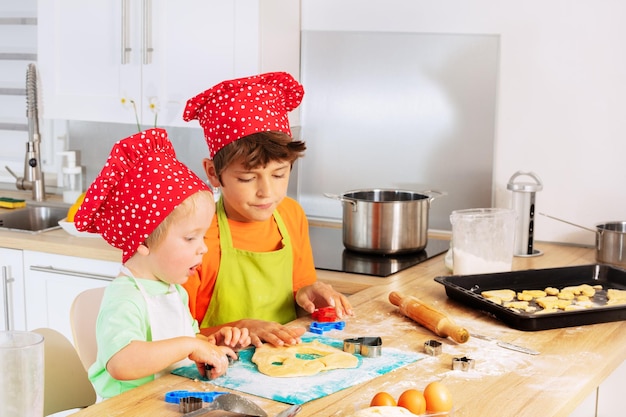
[184, 209]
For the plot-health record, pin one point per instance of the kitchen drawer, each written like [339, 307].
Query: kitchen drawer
[53, 281]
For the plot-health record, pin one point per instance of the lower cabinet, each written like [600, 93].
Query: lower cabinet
[13, 312]
[51, 283]
[606, 400]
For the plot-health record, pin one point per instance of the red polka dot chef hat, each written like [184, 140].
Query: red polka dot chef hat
[139, 185]
[236, 108]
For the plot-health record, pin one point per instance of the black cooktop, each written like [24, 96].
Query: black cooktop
[330, 254]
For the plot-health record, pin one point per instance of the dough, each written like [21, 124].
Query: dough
[386, 411]
[616, 296]
[504, 295]
[287, 361]
[534, 293]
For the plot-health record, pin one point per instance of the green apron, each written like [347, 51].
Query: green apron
[256, 285]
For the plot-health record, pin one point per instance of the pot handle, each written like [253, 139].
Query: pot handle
[342, 199]
[432, 194]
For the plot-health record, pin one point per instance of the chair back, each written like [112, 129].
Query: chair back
[83, 316]
[66, 385]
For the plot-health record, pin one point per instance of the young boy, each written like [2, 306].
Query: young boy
[150, 205]
[259, 266]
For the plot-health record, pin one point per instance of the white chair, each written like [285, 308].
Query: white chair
[66, 385]
[83, 316]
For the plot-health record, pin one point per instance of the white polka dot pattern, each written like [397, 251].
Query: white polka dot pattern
[140, 184]
[233, 109]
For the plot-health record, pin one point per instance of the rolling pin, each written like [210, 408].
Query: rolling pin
[429, 317]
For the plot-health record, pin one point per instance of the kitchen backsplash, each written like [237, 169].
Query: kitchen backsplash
[94, 140]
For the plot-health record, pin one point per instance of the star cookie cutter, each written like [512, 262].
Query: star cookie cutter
[462, 364]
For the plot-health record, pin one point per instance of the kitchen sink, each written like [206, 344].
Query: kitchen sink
[32, 219]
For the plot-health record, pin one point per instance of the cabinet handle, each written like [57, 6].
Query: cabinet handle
[6, 280]
[126, 49]
[52, 270]
[147, 32]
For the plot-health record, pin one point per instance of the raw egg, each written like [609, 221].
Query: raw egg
[413, 400]
[438, 397]
[382, 398]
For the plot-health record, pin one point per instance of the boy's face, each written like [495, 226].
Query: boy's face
[251, 194]
[175, 258]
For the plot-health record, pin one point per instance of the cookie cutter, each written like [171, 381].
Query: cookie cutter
[208, 367]
[321, 328]
[462, 364]
[324, 314]
[175, 397]
[369, 347]
[432, 347]
[189, 404]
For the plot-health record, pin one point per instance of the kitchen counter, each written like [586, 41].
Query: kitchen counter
[572, 363]
[56, 241]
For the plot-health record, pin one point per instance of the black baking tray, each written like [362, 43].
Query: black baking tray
[467, 289]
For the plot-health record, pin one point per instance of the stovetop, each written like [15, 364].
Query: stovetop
[330, 254]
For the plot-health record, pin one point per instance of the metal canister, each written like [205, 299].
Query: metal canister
[524, 206]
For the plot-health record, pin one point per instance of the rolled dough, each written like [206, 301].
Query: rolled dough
[303, 359]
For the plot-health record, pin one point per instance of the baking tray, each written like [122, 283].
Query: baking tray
[467, 289]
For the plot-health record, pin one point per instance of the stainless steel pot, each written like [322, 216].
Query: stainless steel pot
[385, 221]
[610, 241]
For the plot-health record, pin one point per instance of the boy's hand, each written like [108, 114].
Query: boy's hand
[207, 353]
[320, 295]
[272, 332]
[233, 337]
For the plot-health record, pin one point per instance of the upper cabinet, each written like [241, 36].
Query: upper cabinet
[98, 57]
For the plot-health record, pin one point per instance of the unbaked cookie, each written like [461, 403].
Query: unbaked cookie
[303, 359]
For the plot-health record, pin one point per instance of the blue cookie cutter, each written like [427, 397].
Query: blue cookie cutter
[319, 328]
[206, 396]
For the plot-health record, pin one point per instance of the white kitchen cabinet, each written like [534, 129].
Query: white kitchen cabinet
[53, 281]
[13, 314]
[93, 54]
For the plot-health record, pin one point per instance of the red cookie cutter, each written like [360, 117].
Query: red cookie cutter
[324, 314]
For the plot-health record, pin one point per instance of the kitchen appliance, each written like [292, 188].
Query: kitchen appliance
[524, 205]
[330, 254]
[385, 221]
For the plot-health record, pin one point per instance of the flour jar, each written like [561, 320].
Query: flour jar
[482, 240]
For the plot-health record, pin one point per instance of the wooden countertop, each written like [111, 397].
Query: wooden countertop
[573, 361]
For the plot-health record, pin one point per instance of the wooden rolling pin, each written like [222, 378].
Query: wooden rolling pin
[429, 317]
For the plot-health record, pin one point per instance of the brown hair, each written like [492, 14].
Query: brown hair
[258, 149]
[184, 209]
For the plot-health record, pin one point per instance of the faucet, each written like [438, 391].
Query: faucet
[33, 178]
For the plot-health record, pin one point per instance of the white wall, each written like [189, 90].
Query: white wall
[561, 95]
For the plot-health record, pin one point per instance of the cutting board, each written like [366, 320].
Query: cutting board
[244, 376]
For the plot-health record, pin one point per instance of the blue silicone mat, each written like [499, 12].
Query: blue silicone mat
[244, 376]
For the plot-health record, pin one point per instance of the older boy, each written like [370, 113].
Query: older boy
[259, 265]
